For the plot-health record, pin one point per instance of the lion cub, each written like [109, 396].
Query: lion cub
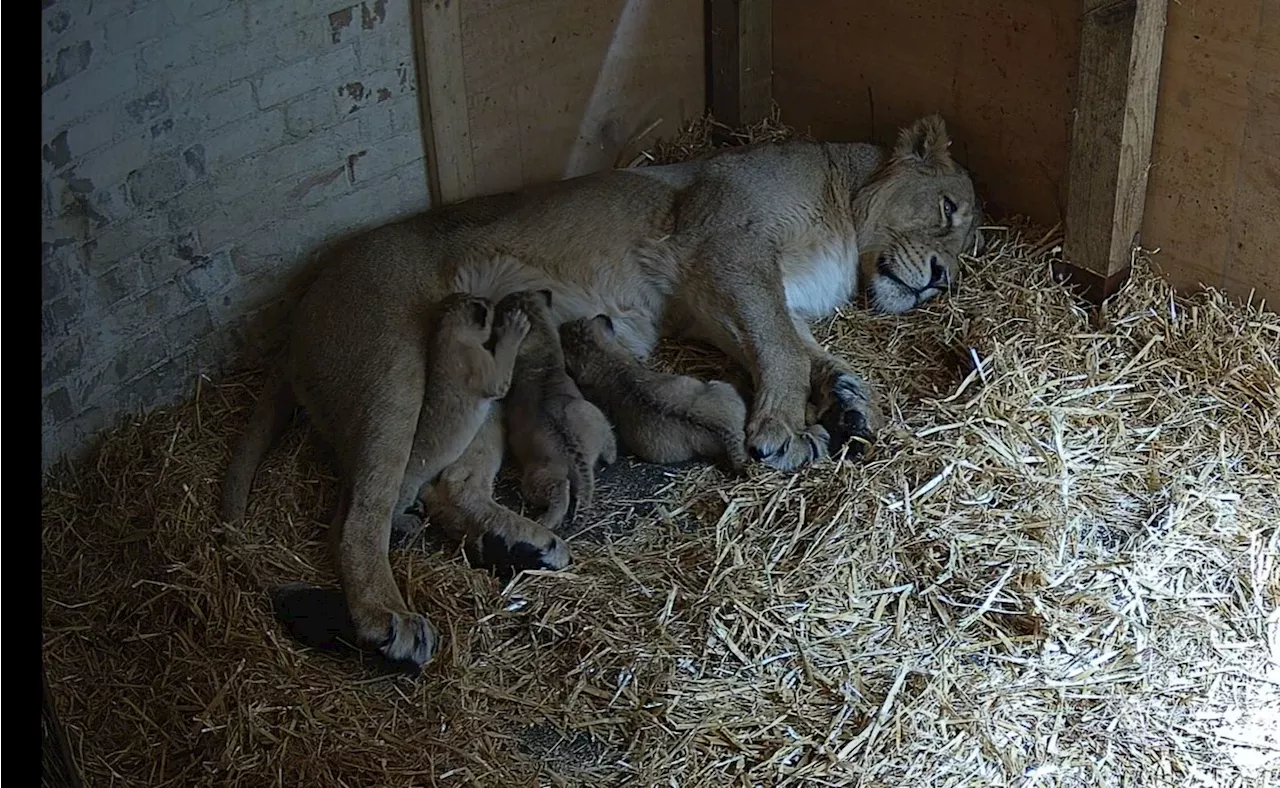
[464, 379]
[461, 504]
[661, 418]
[555, 434]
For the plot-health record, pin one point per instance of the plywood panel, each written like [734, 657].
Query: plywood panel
[1213, 198]
[1001, 72]
[555, 87]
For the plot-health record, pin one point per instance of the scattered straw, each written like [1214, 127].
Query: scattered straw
[1059, 567]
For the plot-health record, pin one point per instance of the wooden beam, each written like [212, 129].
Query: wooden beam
[442, 100]
[1121, 43]
[740, 60]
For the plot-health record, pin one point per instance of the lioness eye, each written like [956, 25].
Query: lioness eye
[948, 208]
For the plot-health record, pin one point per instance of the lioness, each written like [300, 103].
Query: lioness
[739, 249]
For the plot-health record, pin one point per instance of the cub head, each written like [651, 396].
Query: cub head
[463, 312]
[584, 339]
[534, 303]
[917, 215]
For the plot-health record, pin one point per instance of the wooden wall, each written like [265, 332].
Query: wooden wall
[1003, 74]
[526, 91]
[1213, 196]
[1000, 71]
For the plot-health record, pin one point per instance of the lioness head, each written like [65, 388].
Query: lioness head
[918, 214]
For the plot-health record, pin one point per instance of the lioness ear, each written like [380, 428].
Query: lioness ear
[546, 296]
[606, 325]
[925, 141]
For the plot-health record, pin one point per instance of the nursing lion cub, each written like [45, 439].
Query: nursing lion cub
[740, 249]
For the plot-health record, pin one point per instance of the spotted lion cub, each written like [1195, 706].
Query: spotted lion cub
[661, 418]
[464, 380]
[556, 436]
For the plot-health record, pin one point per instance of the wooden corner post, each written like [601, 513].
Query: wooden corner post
[442, 99]
[1121, 44]
[739, 60]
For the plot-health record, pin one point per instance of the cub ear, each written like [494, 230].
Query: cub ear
[546, 296]
[925, 141]
[606, 325]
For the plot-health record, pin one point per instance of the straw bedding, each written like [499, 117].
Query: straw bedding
[1059, 567]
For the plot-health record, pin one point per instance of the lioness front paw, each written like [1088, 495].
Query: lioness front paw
[771, 442]
[506, 554]
[852, 419]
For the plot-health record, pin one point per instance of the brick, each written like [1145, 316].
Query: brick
[158, 180]
[340, 26]
[123, 281]
[140, 314]
[67, 62]
[137, 356]
[85, 92]
[224, 223]
[387, 156]
[118, 241]
[258, 132]
[186, 328]
[58, 406]
[388, 49]
[111, 166]
[125, 33]
[96, 130]
[194, 43]
[194, 9]
[53, 281]
[57, 316]
[157, 387]
[293, 80]
[56, 152]
[226, 106]
[148, 106]
[56, 21]
[210, 275]
[189, 208]
[60, 361]
[310, 112]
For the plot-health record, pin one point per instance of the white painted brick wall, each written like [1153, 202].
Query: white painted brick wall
[196, 154]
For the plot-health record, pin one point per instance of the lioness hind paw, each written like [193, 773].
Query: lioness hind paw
[411, 640]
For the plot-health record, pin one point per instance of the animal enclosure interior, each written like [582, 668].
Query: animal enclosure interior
[1060, 565]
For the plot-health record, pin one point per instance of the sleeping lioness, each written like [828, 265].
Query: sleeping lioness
[739, 249]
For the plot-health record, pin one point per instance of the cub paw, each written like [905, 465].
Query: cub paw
[505, 555]
[514, 326]
[771, 442]
[404, 528]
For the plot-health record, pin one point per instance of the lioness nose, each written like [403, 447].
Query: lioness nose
[937, 274]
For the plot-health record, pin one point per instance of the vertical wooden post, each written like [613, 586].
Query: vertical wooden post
[740, 60]
[442, 99]
[1121, 44]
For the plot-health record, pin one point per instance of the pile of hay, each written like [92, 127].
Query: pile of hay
[1059, 567]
